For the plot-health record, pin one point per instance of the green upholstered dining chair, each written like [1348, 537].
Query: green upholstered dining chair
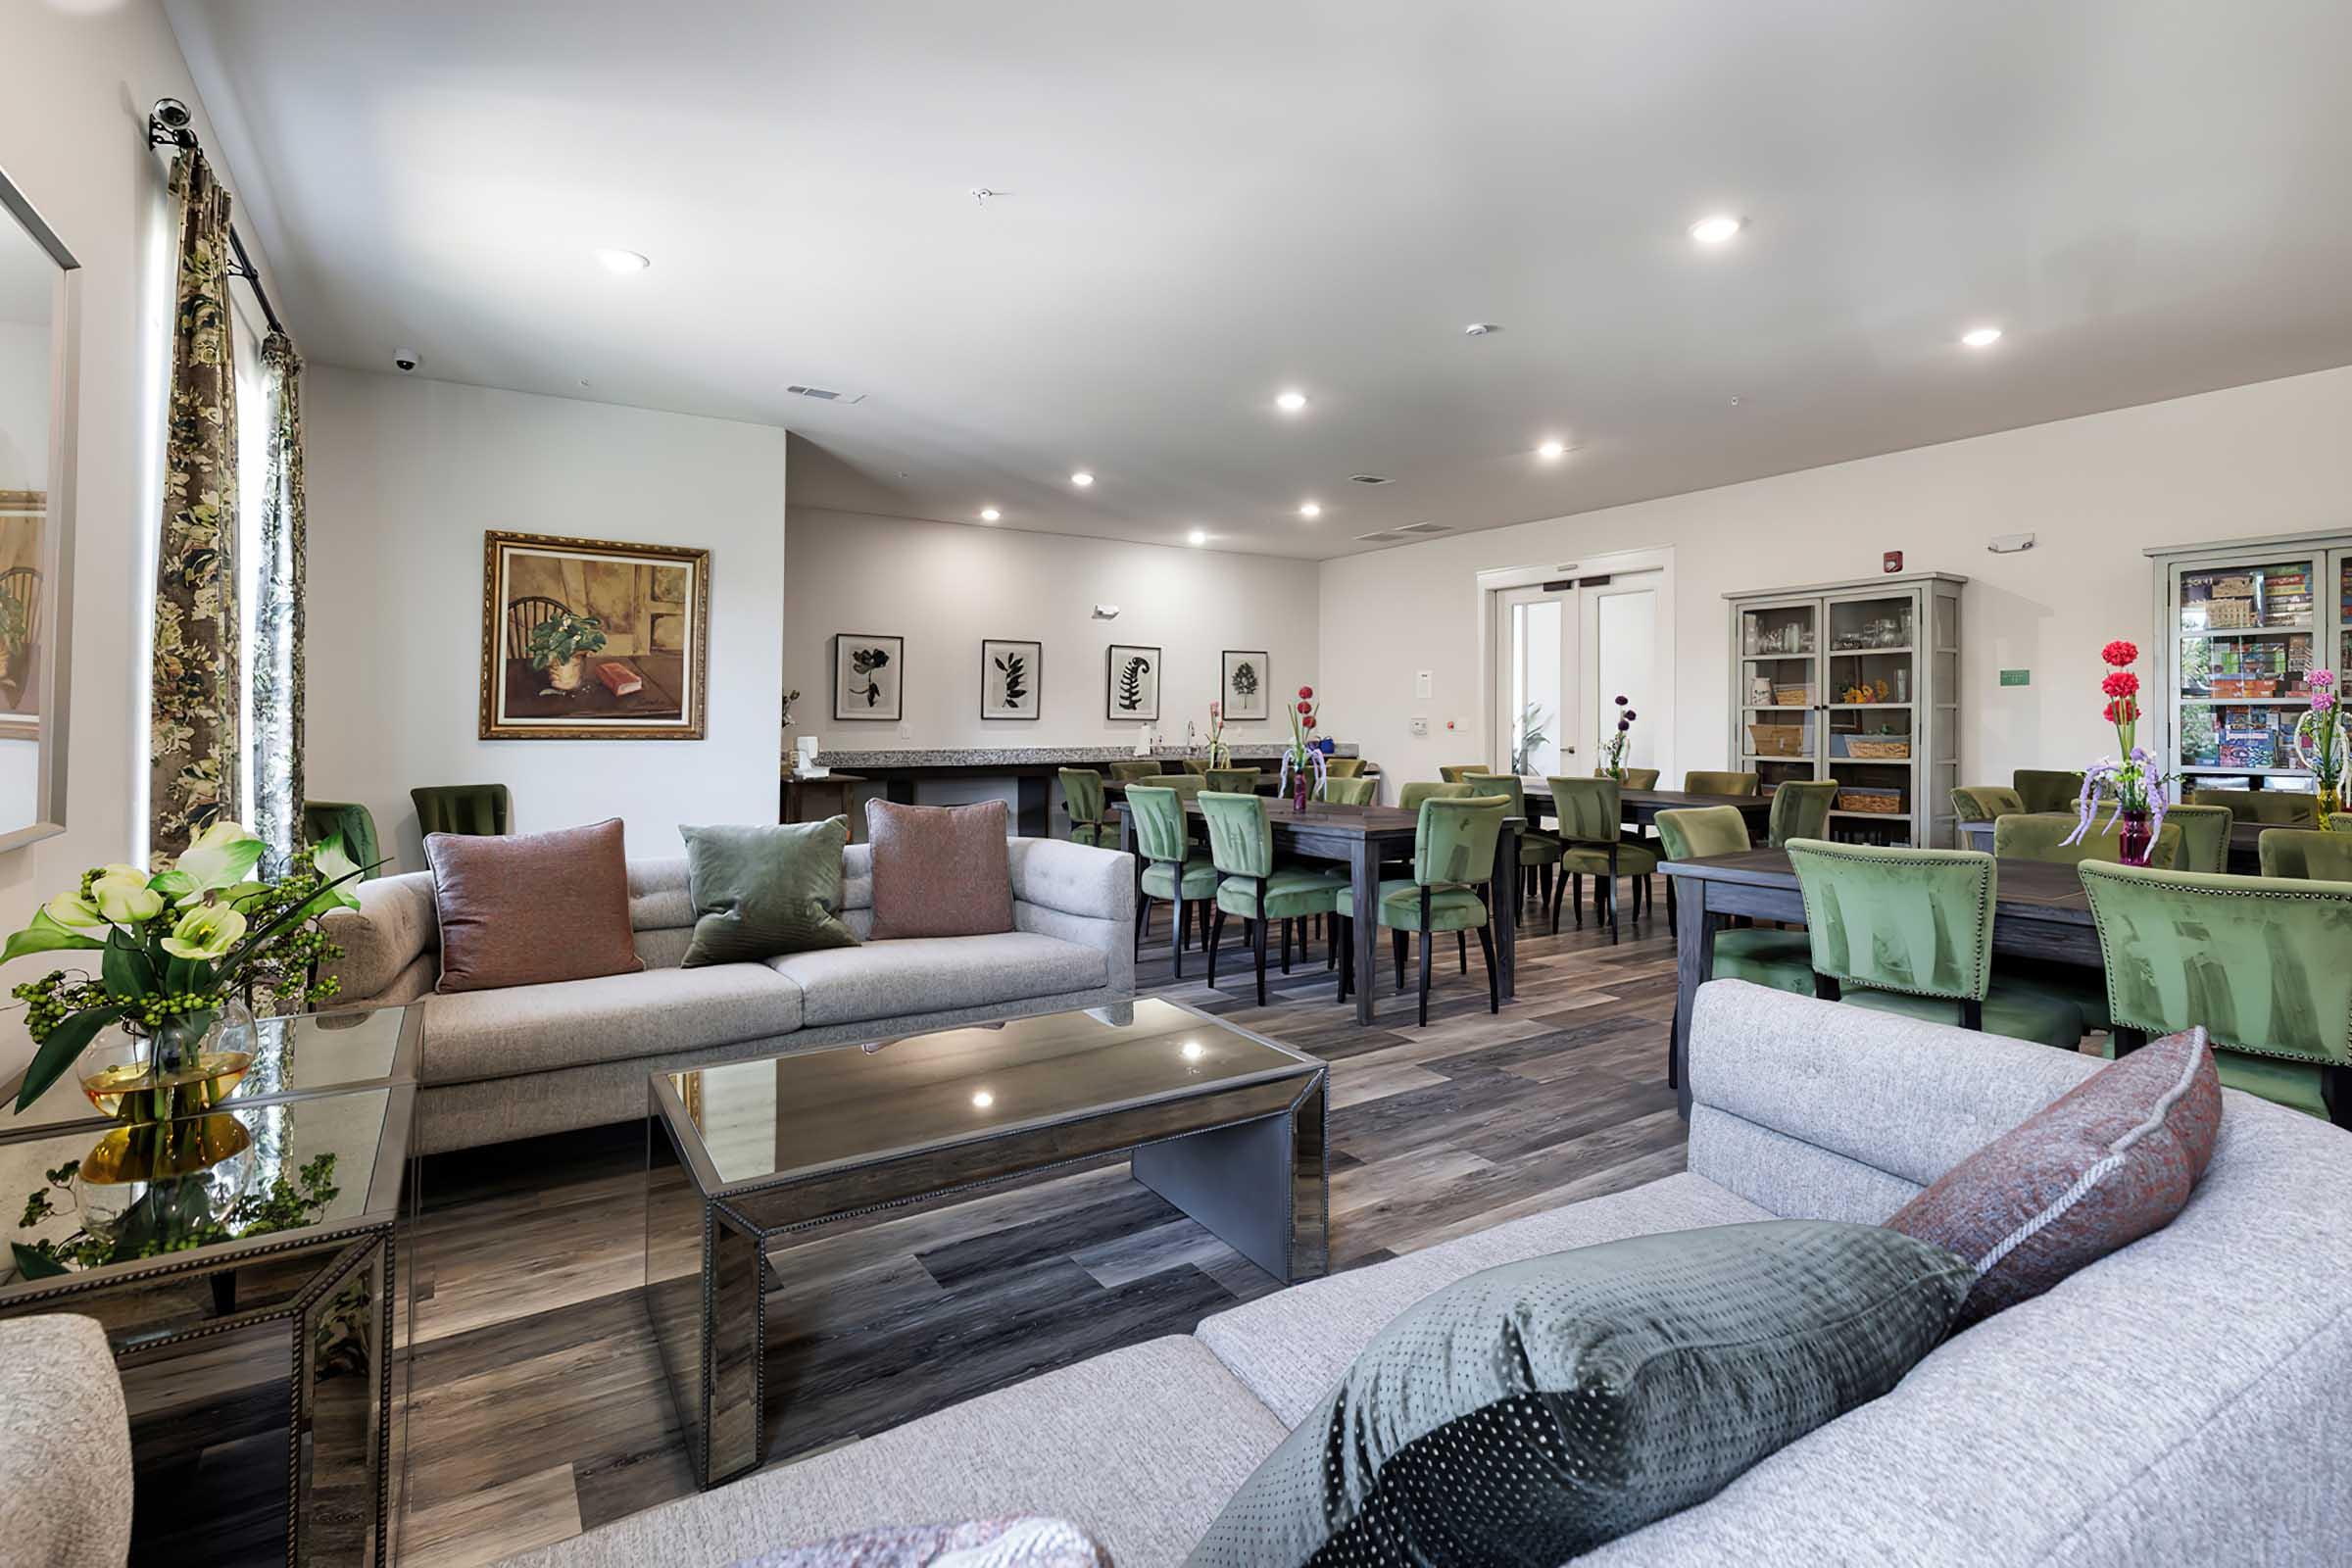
[2042, 789]
[1128, 769]
[1082, 798]
[1984, 803]
[1592, 843]
[2303, 854]
[1343, 768]
[1702, 782]
[1249, 884]
[1539, 853]
[1452, 773]
[1781, 959]
[2043, 836]
[1350, 791]
[1187, 785]
[1172, 871]
[1454, 870]
[1635, 778]
[481, 810]
[1800, 810]
[1910, 931]
[2271, 807]
[2204, 837]
[1232, 780]
[1196, 765]
[351, 822]
[2257, 960]
[1410, 795]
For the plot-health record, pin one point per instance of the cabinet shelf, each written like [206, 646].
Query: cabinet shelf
[1868, 653]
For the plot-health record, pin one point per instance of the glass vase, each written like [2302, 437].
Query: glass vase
[185, 1065]
[2331, 803]
[2138, 835]
[1300, 781]
[155, 1187]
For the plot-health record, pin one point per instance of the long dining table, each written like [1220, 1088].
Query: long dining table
[1363, 839]
[2040, 910]
[1639, 808]
[2245, 843]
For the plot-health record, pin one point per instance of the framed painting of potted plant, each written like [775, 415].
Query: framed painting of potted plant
[1249, 684]
[1132, 692]
[588, 640]
[868, 672]
[1011, 677]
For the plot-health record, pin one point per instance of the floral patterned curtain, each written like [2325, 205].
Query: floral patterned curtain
[278, 615]
[192, 730]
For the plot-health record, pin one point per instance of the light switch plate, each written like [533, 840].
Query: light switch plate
[1417, 725]
[1424, 684]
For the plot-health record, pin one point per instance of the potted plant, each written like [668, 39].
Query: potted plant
[165, 1026]
[2320, 743]
[1533, 731]
[557, 644]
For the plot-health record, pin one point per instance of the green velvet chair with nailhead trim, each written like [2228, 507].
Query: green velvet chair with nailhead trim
[1343, 768]
[1453, 773]
[1252, 885]
[1197, 767]
[1232, 780]
[2304, 855]
[1187, 785]
[1128, 770]
[1350, 791]
[1592, 835]
[1910, 931]
[2043, 789]
[1453, 875]
[1703, 782]
[1082, 798]
[1539, 853]
[2271, 807]
[1984, 803]
[1781, 959]
[1410, 795]
[1800, 810]
[480, 810]
[2204, 837]
[2257, 960]
[2043, 836]
[1171, 870]
[1635, 778]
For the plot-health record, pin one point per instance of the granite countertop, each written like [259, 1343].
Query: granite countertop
[848, 761]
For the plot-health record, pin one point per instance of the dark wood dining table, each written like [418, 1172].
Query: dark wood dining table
[1639, 808]
[2245, 843]
[2040, 910]
[1365, 838]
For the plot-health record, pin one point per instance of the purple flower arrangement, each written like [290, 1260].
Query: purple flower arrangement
[1612, 751]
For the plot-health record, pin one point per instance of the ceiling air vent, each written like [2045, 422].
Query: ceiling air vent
[1369, 478]
[1421, 530]
[825, 394]
[1384, 537]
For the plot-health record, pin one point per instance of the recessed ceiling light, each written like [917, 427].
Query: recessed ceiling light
[1481, 330]
[1717, 229]
[983, 1099]
[1199, 536]
[1081, 479]
[990, 514]
[1981, 337]
[1290, 402]
[1310, 508]
[1552, 449]
[620, 261]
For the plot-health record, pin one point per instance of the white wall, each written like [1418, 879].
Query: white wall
[945, 586]
[405, 476]
[2272, 458]
[73, 136]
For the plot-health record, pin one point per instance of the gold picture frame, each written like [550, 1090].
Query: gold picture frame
[628, 655]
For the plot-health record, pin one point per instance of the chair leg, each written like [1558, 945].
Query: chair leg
[1216, 929]
[1423, 1011]
[1261, 956]
[1486, 946]
[1286, 945]
[1183, 925]
[1396, 944]
[1143, 919]
[1575, 897]
[1330, 941]
[1461, 948]
[1559, 890]
[1347, 945]
[1670, 926]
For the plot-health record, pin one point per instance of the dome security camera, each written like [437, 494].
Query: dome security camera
[404, 360]
[173, 115]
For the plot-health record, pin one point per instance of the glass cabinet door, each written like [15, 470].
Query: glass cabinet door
[2244, 641]
[1780, 646]
[1871, 693]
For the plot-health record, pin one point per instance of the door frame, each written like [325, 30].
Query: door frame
[1497, 580]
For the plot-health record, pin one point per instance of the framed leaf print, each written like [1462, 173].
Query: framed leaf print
[586, 640]
[1249, 684]
[1132, 692]
[1010, 678]
[868, 672]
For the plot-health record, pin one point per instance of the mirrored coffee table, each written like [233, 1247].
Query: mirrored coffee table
[1225, 1124]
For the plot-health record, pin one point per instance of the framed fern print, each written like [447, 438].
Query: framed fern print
[1011, 676]
[1133, 689]
[1249, 681]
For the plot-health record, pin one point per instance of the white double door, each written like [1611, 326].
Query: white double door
[1564, 652]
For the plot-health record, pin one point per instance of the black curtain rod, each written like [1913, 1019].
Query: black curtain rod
[168, 127]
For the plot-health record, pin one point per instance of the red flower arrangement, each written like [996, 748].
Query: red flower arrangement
[2120, 654]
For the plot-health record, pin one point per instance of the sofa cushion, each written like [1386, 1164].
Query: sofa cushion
[761, 890]
[938, 870]
[530, 909]
[1138, 1448]
[933, 974]
[521, 1029]
[1291, 1346]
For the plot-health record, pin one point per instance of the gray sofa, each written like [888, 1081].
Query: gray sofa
[531, 1059]
[65, 1462]
[2182, 1402]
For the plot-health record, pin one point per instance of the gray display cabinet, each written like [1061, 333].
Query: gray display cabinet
[1859, 682]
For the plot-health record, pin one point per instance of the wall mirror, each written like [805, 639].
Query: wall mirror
[40, 294]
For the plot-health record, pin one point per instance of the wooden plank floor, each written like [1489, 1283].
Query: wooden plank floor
[537, 1408]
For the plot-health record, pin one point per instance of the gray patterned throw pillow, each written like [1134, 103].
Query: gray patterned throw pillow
[1531, 1412]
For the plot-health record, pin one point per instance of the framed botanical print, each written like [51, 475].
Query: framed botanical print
[586, 640]
[868, 672]
[1248, 690]
[1010, 678]
[1132, 675]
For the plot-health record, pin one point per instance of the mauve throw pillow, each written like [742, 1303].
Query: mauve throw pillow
[2107, 1162]
[527, 909]
[938, 870]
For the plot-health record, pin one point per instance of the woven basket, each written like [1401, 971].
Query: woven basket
[1775, 740]
[1878, 751]
[1871, 802]
[1792, 695]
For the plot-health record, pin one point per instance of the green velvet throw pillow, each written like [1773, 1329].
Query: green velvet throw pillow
[1532, 1412]
[762, 891]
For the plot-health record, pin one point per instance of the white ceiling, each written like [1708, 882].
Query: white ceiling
[1207, 202]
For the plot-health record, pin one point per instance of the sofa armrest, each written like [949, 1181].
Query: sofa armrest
[1073, 878]
[64, 1470]
[382, 939]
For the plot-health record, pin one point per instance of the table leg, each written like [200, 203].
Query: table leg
[1260, 1187]
[1694, 962]
[735, 1328]
[1504, 909]
[1363, 879]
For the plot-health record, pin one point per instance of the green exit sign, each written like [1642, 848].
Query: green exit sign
[2017, 677]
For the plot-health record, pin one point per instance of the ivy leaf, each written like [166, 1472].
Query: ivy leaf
[57, 1053]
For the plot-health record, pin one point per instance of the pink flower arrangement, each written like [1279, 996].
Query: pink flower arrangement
[2137, 783]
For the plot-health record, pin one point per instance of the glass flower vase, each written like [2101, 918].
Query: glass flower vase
[2331, 802]
[2139, 836]
[1301, 780]
[185, 1065]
